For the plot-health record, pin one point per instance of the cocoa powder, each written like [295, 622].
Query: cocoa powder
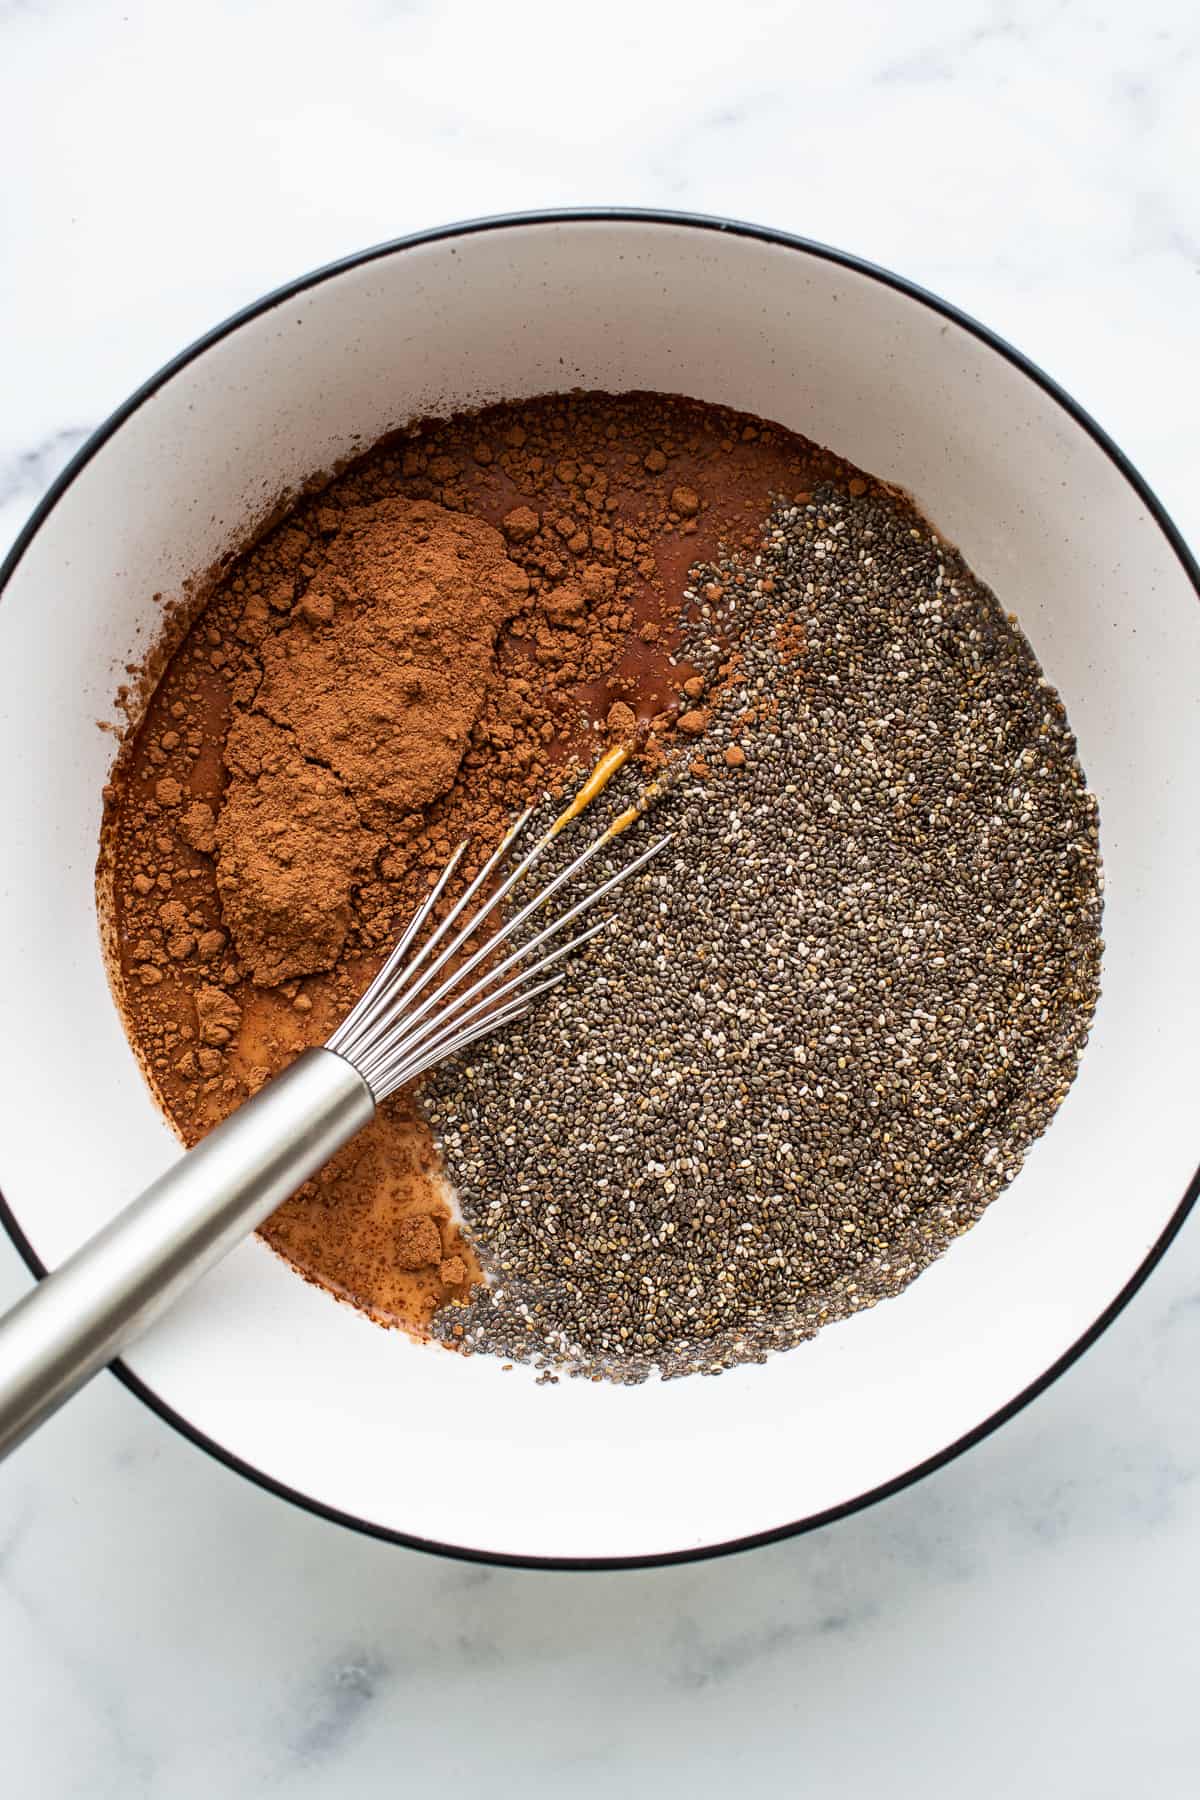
[449, 628]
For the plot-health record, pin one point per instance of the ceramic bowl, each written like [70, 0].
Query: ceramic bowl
[412, 1443]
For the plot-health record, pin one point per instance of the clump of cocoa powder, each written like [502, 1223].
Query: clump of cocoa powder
[384, 664]
[368, 695]
[291, 849]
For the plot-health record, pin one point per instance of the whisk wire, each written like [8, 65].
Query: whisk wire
[452, 1039]
[346, 1032]
[469, 930]
[533, 944]
[405, 989]
[400, 989]
[408, 1019]
[530, 948]
[405, 1041]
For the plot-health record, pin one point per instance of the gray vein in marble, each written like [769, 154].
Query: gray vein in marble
[93, 1680]
[704, 1661]
[336, 1703]
[30, 472]
[1157, 229]
[15, 1529]
[945, 61]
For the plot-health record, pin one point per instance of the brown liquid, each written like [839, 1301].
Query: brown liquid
[341, 1231]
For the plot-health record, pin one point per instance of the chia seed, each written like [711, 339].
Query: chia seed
[832, 1017]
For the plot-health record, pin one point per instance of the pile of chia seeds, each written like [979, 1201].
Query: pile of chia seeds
[832, 1016]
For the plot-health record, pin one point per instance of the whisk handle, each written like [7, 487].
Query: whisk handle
[86, 1311]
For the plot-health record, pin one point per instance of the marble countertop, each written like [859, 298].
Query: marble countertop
[1023, 1622]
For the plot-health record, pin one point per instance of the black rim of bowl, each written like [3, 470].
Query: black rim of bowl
[824, 253]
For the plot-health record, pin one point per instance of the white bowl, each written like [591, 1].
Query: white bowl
[412, 1443]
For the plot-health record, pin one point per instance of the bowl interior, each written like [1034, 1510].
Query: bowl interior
[413, 1440]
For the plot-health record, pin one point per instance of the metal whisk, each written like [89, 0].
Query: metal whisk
[429, 1000]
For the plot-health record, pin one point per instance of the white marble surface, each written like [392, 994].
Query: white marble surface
[1023, 1623]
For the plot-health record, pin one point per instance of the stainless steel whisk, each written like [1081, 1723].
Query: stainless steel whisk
[423, 1006]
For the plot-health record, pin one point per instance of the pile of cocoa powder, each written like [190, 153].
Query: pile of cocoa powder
[452, 626]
